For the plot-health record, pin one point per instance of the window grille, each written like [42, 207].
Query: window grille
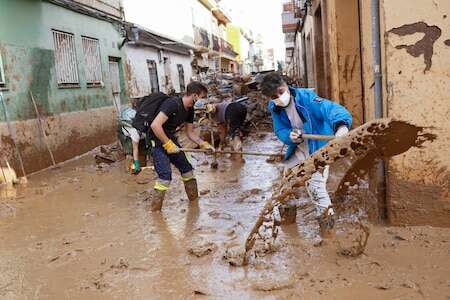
[92, 62]
[2, 73]
[153, 73]
[65, 58]
[181, 77]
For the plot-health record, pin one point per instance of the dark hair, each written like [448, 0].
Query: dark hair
[196, 87]
[270, 83]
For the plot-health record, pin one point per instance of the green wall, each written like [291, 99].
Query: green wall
[26, 46]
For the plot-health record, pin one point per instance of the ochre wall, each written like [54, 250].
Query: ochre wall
[418, 90]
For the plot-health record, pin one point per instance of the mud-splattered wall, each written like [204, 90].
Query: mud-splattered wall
[78, 118]
[417, 89]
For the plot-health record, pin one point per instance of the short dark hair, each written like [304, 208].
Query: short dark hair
[270, 83]
[196, 87]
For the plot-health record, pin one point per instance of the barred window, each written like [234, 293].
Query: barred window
[92, 62]
[65, 58]
[181, 77]
[2, 73]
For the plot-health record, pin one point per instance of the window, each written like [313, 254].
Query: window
[181, 76]
[65, 59]
[92, 62]
[2, 73]
[153, 73]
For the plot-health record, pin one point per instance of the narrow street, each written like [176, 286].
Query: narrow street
[84, 232]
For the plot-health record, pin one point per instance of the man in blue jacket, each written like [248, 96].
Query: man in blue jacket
[296, 111]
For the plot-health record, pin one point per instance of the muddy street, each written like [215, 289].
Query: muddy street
[83, 232]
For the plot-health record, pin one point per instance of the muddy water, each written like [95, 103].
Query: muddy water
[80, 232]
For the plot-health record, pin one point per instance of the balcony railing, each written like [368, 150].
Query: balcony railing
[204, 39]
[201, 37]
[215, 43]
[227, 48]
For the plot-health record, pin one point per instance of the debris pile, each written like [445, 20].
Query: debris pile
[240, 88]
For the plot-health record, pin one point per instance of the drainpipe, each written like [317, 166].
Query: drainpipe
[376, 52]
[380, 170]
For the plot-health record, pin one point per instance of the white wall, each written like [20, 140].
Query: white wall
[138, 75]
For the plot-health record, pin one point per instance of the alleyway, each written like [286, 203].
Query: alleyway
[80, 232]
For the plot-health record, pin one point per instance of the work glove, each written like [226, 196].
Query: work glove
[296, 136]
[135, 167]
[207, 146]
[342, 130]
[210, 108]
[171, 147]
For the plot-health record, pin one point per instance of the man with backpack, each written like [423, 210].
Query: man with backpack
[163, 116]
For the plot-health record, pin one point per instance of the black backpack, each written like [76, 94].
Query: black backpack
[146, 110]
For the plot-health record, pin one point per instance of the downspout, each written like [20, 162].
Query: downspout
[380, 170]
[376, 53]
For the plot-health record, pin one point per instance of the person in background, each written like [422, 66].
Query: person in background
[230, 117]
[296, 111]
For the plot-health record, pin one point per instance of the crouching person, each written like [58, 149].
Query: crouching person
[296, 111]
[230, 117]
[172, 113]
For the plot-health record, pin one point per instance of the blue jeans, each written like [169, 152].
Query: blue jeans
[162, 161]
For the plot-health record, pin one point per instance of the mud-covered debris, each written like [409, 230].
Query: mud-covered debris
[203, 249]
[235, 256]
[108, 154]
[220, 215]
[198, 292]
[246, 194]
[359, 244]
[55, 258]
[204, 192]
[268, 284]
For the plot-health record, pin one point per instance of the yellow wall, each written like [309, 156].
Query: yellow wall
[234, 38]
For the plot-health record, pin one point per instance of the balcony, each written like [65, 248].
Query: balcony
[289, 21]
[215, 43]
[201, 37]
[227, 48]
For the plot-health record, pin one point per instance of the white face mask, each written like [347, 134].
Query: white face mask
[283, 100]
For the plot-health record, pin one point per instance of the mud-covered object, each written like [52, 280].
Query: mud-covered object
[377, 139]
[126, 143]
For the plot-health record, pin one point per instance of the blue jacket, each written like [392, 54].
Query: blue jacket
[319, 116]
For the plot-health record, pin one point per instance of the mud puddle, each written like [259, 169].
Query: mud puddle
[80, 232]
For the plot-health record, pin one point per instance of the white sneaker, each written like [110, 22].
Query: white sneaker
[317, 191]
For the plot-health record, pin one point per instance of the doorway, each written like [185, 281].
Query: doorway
[114, 76]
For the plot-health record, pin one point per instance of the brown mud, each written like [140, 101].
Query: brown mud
[377, 139]
[83, 232]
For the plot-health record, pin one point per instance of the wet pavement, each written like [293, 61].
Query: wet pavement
[83, 232]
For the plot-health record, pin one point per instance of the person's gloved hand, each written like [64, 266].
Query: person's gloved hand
[296, 136]
[342, 130]
[207, 146]
[210, 108]
[136, 167]
[171, 147]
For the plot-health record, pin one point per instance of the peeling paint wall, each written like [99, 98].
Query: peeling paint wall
[27, 51]
[418, 90]
[138, 78]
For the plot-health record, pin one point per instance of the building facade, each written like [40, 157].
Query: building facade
[156, 63]
[381, 62]
[68, 55]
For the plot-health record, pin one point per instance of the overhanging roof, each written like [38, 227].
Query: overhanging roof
[140, 36]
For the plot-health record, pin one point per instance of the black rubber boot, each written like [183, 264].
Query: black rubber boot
[191, 189]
